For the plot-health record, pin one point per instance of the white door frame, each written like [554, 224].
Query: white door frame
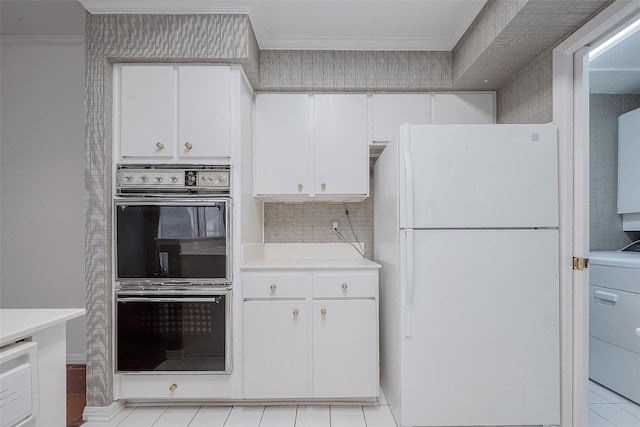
[571, 115]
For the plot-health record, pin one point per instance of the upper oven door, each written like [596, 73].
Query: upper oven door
[172, 240]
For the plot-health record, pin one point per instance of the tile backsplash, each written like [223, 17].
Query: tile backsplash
[311, 223]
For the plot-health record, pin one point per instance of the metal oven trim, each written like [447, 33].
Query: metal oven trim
[160, 199]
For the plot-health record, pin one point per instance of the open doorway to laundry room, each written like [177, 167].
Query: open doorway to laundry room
[614, 277]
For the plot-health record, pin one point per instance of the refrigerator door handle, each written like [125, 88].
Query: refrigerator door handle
[409, 285]
[408, 170]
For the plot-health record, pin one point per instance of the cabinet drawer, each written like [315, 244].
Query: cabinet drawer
[174, 386]
[345, 285]
[275, 285]
[614, 316]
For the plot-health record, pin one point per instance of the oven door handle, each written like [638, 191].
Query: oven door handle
[172, 299]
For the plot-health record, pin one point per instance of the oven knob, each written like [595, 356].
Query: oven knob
[174, 178]
[128, 178]
[159, 178]
[220, 179]
[144, 179]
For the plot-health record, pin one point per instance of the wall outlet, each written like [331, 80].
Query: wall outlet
[334, 225]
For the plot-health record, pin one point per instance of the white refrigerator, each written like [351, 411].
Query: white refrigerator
[466, 231]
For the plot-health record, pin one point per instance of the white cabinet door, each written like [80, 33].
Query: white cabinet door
[390, 110]
[340, 144]
[463, 108]
[204, 111]
[628, 159]
[147, 113]
[275, 349]
[345, 348]
[283, 145]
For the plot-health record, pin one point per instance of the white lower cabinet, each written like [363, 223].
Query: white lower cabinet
[345, 347]
[172, 386]
[318, 339]
[275, 349]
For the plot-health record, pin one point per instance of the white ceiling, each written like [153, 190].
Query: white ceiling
[329, 24]
[617, 70]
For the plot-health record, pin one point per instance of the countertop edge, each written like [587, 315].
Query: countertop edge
[310, 264]
[55, 317]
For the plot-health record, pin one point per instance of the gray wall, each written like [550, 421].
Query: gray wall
[42, 178]
[605, 223]
[528, 96]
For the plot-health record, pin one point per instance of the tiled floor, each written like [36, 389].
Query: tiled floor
[606, 409]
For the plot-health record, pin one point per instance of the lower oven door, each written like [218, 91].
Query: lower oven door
[179, 332]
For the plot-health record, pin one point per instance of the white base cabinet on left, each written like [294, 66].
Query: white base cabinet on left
[311, 334]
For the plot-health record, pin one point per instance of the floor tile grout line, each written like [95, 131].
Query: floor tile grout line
[625, 410]
[600, 416]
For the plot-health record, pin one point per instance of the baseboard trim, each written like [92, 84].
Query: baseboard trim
[102, 413]
[77, 359]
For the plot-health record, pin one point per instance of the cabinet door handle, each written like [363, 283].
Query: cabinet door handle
[160, 145]
[344, 286]
[173, 387]
[188, 145]
[299, 187]
[295, 312]
[323, 186]
[273, 287]
[323, 311]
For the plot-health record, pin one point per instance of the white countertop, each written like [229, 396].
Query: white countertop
[16, 324]
[303, 256]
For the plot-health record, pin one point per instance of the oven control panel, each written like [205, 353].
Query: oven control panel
[129, 178]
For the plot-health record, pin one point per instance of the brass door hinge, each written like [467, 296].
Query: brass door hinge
[580, 264]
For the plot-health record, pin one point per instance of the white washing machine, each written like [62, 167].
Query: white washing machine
[614, 317]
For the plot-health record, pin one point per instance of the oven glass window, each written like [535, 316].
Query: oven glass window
[161, 242]
[171, 335]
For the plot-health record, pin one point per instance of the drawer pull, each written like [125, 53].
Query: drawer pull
[188, 145]
[273, 287]
[160, 145]
[610, 299]
[299, 187]
[344, 286]
[323, 311]
[295, 312]
[173, 387]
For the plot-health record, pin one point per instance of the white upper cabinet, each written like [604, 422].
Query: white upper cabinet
[463, 108]
[173, 112]
[390, 110]
[204, 104]
[147, 124]
[341, 151]
[283, 145]
[628, 170]
[311, 147]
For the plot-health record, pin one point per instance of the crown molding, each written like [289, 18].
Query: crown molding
[176, 7]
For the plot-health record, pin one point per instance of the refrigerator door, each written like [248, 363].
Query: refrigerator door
[479, 176]
[483, 347]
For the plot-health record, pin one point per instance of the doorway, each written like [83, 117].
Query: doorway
[613, 90]
[571, 115]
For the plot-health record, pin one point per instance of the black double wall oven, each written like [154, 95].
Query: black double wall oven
[172, 240]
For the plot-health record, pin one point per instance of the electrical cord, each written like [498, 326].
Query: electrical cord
[358, 248]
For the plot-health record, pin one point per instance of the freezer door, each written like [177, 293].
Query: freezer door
[479, 176]
[483, 347]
